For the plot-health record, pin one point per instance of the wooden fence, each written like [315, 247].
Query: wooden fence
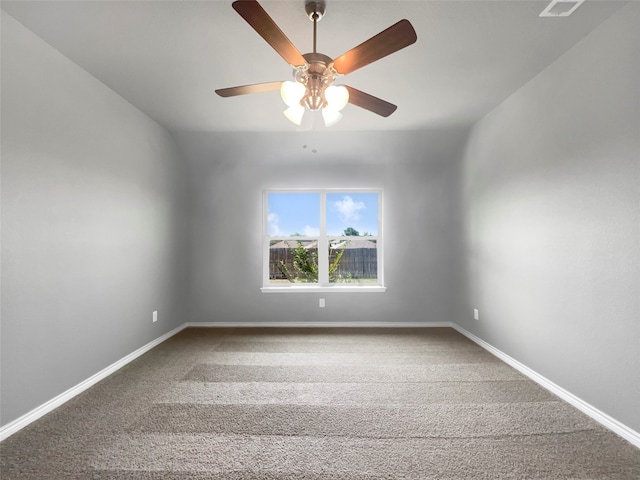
[356, 263]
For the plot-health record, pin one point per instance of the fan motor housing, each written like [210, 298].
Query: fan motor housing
[318, 62]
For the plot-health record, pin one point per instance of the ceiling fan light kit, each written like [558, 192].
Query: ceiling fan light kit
[298, 95]
[315, 73]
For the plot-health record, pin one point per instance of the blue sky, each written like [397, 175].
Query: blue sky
[291, 213]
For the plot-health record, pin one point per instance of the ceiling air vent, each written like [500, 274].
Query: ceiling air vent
[561, 8]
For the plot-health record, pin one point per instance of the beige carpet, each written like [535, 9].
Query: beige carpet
[317, 404]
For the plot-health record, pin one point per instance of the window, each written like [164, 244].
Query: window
[322, 240]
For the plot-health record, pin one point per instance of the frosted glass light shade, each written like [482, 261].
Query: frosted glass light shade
[292, 93]
[337, 97]
[294, 113]
[330, 116]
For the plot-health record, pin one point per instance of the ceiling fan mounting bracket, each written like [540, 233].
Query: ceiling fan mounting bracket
[315, 9]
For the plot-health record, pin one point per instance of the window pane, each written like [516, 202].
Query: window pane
[293, 214]
[353, 260]
[352, 214]
[293, 261]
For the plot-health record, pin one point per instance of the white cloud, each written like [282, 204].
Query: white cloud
[348, 209]
[273, 229]
[309, 231]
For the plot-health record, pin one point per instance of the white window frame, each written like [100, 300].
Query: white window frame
[323, 284]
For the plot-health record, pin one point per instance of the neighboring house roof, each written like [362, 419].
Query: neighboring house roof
[354, 242]
[294, 244]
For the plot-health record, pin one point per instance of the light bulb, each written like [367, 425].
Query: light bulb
[294, 113]
[330, 116]
[337, 97]
[292, 93]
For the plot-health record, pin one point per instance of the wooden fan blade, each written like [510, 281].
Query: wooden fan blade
[394, 38]
[262, 23]
[246, 89]
[371, 103]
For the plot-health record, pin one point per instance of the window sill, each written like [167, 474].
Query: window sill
[320, 289]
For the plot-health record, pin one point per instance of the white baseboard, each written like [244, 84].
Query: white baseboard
[602, 418]
[29, 417]
[605, 420]
[319, 324]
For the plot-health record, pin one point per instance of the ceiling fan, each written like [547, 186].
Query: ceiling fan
[315, 72]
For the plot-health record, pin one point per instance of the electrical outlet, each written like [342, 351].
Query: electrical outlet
[155, 316]
[476, 314]
[321, 304]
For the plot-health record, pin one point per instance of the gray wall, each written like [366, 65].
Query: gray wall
[551, 222]
[415, 170]
[93, 222]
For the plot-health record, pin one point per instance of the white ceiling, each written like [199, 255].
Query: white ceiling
[168, 57]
